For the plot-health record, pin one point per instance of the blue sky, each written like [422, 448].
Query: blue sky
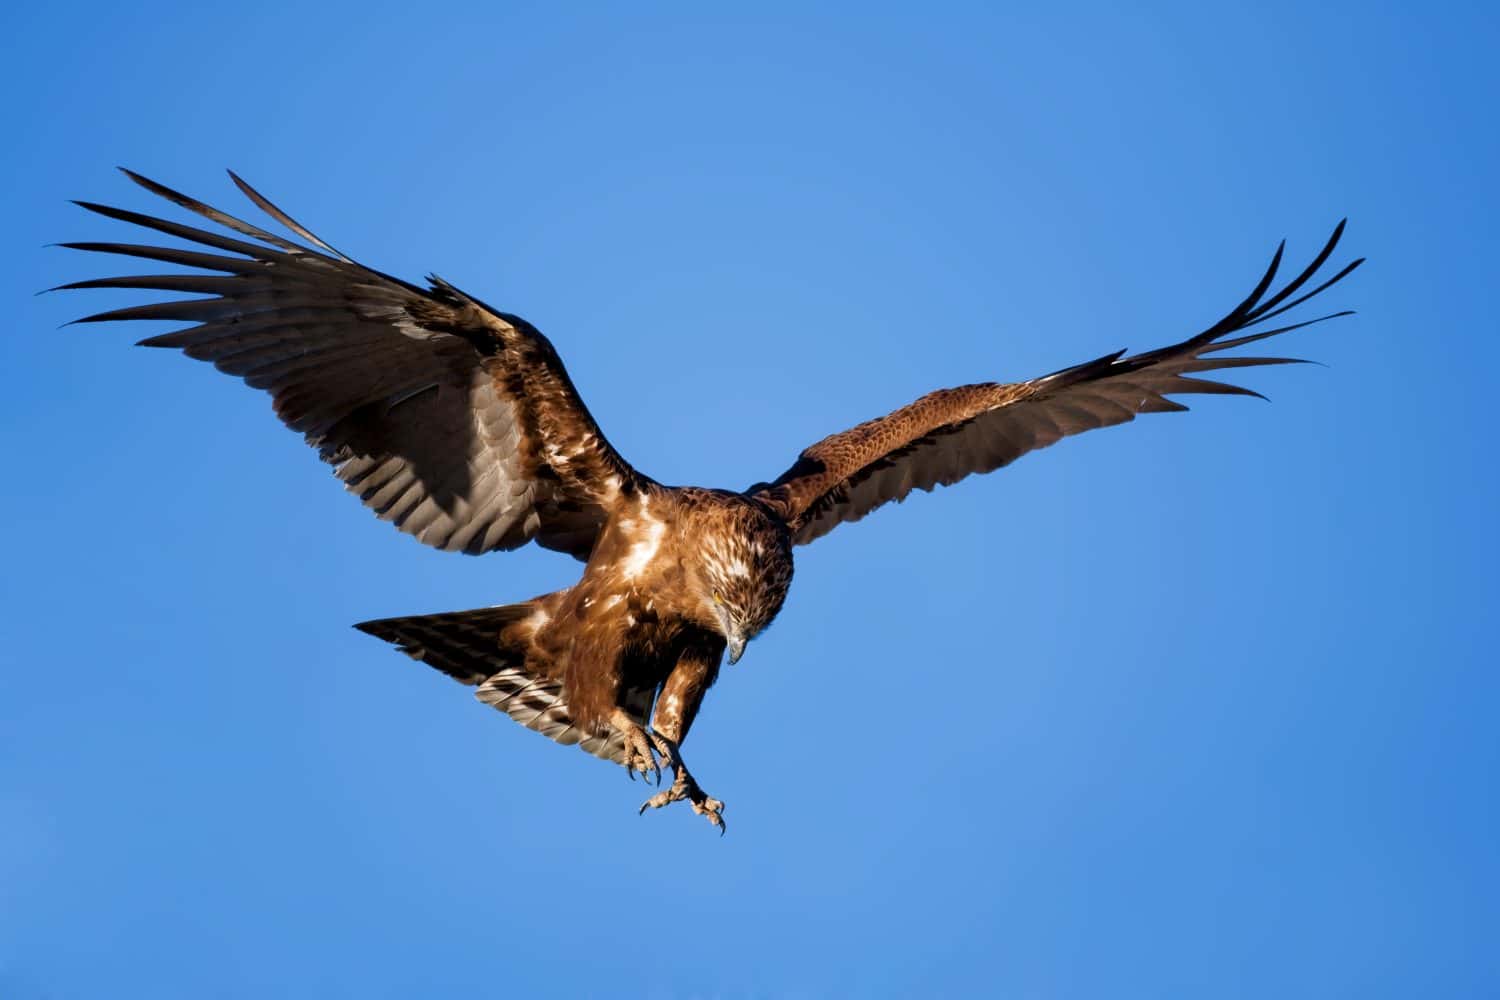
[1199, 706]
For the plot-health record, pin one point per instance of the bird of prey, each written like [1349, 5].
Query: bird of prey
[458, 424]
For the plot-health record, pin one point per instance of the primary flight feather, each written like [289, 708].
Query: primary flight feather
[458, 424]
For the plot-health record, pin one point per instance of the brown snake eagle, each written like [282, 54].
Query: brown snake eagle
[458, 424]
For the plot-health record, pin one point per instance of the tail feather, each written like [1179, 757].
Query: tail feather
[468, 646]
[465, 645]
[538, 704]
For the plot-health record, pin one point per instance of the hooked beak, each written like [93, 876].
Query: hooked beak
[732, 636]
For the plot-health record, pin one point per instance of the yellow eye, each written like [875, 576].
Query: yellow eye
[718, 599]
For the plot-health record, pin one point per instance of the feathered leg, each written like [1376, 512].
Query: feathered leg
[676, 707]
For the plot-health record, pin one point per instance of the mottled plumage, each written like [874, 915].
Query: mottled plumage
[458, 423]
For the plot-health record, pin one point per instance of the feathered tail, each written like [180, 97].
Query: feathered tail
[479, 647]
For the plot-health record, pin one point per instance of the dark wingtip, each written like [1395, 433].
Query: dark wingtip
[244, 186]
[67, 287]
[92, 206]
[140, 179]
[108, 211]
[1270, 275]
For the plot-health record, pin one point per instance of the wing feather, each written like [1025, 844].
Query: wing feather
[455, 422]
[953, 433]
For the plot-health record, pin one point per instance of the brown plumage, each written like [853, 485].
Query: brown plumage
[458, 423]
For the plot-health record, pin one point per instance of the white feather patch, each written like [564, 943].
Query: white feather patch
[643, 551]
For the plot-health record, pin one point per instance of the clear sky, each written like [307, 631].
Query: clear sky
[1201, 706]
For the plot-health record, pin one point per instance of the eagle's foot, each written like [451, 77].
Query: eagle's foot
[640, 750]
[685, 788]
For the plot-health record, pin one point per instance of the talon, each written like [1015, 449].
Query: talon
[667, 749]
[685, 788]
[638, 754]
[651, 752]
[713, 809]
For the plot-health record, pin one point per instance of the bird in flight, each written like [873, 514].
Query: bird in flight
[458, 424]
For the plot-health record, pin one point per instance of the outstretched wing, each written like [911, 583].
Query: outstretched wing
[953, 433]
[453, 421]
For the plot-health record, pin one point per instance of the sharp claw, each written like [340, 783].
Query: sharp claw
[660, 754]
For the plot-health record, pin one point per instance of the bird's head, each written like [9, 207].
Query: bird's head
[744, 574]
